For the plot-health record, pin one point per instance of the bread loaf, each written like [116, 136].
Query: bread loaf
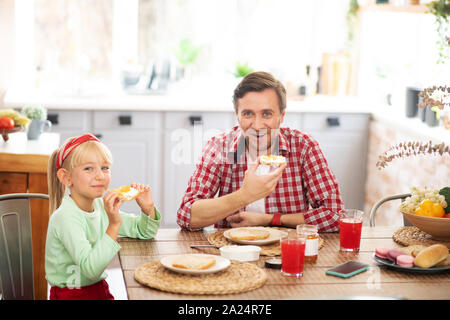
[444, 262]
[413, 250]
[431, 256]
[248, 234]
[194, 262]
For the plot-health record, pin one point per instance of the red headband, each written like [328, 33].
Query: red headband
[72, 144]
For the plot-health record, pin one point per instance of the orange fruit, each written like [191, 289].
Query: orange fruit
[437, 211]
[426, 204]
[428, 208]
[422, 212]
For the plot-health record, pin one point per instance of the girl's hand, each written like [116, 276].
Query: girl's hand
[145, 199]
[112, 204]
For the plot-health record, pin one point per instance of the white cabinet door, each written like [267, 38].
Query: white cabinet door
[135, 147]
[292, 120]
[70, 123]
[343, 140]
[185, 135]
[346, 154]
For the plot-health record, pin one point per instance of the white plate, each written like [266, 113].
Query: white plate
[221, 264]
[273, 237]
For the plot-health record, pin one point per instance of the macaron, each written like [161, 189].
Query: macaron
[404, 260]
[381, 252]
[393, 254]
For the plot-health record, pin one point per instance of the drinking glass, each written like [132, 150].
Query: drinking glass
[350, 225]
[292, 253]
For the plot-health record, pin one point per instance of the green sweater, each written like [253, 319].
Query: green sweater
[78, 250]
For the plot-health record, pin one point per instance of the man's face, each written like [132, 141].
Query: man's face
[259, 117]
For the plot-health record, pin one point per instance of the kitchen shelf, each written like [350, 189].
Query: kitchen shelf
[420, 8]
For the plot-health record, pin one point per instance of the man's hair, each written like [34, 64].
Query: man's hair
[258, 82]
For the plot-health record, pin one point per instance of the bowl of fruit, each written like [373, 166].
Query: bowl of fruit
[429, 210]
[11, 121]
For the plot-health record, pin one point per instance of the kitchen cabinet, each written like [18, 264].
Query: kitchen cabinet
[134, 139]
[69, 123]
[292, 120]
[343, 139]
[185, 134]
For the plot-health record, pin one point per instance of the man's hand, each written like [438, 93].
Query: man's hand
[256, 187]
[249, 219]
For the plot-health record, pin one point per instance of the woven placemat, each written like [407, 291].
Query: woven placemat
[238, 277]
[218, 239]
[411, 235]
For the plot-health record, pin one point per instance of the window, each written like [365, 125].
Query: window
[71, 47]
[83, 47]
[400, 52]
[73, 44]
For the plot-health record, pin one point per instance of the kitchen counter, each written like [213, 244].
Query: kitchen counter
[218, 102]
[211, 102]
[19, 144]
[412, 127]
[20, 154]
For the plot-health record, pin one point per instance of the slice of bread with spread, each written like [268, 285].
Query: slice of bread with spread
[248, 234]
[272, 160]
[126, 193]
[194, 262]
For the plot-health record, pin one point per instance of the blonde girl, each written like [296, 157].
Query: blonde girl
[83, 228]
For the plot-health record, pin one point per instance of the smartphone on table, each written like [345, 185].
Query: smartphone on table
[347, 269]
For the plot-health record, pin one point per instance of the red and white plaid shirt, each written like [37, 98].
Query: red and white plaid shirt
[307, 185]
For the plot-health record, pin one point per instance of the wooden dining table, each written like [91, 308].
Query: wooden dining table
[378, 282]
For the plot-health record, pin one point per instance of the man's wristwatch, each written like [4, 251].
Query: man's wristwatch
[276, 219]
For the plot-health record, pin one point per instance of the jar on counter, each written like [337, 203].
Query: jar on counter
[312, 241]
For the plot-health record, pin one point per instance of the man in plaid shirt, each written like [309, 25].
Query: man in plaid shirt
[302, 191]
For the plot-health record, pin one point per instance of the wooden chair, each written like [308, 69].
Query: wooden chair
[380, 202]
[16, 246]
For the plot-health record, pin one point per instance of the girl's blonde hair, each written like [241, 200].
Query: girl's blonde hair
[56, 189]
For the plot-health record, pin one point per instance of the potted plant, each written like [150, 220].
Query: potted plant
[441, 10]
[242, 69]
[38, 117]
[351, 20]
[434, 100]
[186, 53]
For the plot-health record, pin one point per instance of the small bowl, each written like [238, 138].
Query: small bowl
[438, 228]
[240, 253]
[5, 132]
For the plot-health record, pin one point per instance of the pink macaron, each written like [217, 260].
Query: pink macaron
[404, 260]
[393, 254]
[381, 252]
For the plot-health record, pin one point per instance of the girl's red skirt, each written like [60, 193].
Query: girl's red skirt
[96, 291]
